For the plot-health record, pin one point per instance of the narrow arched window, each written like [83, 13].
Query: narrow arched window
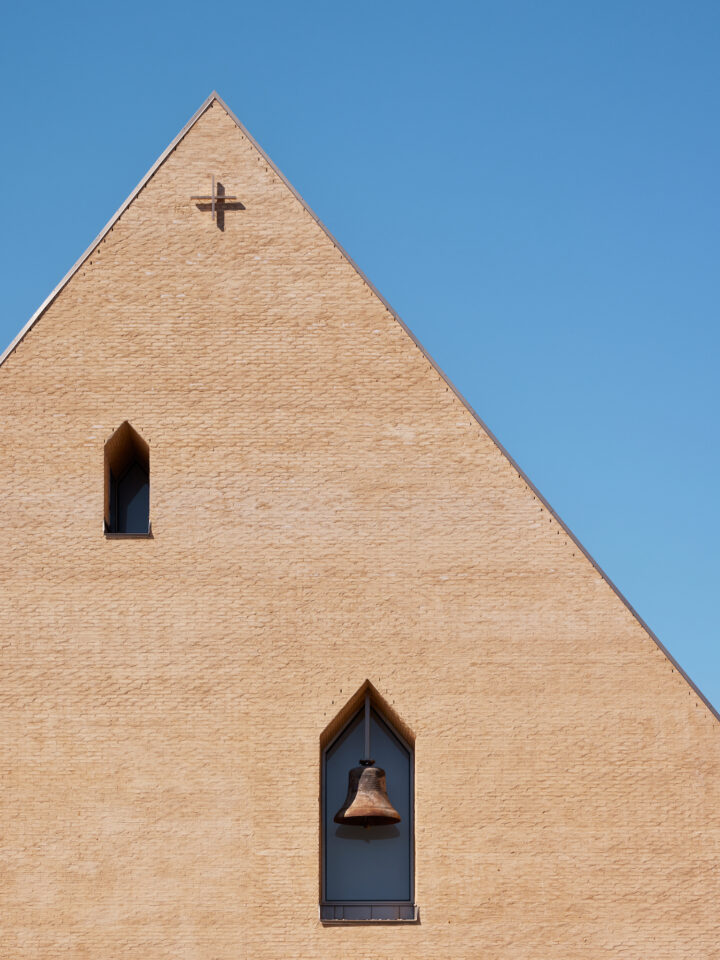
[127, 482]
[367, 820]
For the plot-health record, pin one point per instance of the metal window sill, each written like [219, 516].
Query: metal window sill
[112, 535]
[381, 912]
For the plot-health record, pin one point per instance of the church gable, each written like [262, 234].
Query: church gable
[323, 509]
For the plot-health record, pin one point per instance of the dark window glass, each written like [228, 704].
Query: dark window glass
[132, 501]
[127, 482]
[368, 863]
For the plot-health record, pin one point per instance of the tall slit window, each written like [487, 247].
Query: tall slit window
[367, 870]
[127, 482]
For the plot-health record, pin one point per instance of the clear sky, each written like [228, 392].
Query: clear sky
[533, 187]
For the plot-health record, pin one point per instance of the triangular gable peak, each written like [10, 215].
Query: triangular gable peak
[214, 97]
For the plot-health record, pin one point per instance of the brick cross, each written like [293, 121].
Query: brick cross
[216, 197]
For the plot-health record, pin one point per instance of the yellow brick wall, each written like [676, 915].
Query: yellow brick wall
[324, 511]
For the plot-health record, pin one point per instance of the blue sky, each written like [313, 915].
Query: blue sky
[533, 186]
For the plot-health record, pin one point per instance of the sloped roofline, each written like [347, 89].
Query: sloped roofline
[111, 223]
[215, 97]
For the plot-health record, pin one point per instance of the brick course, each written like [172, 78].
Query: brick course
[324, 511]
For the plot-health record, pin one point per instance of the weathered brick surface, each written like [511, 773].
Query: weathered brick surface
[324, 511]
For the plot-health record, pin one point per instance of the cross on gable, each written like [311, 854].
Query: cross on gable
[218, 202]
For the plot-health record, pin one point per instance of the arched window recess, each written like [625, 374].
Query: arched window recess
[127, 483]
[367, 815]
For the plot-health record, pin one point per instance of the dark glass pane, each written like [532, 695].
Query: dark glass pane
[368, 863]
[133, 501]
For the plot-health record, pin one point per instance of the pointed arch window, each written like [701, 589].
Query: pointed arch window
[127, 483]
[367, 870]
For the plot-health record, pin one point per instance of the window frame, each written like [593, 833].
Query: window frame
[114, 499]
[123, 448]
[366, 911]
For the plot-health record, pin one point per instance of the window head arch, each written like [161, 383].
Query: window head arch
[127, 482]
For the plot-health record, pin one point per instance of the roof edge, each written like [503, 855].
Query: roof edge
[215, 97]
[473, 413]
[106, 229]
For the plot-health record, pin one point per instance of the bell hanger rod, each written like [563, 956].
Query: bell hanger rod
[366, 761]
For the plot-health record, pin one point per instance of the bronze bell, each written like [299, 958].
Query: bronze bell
[367, 803]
